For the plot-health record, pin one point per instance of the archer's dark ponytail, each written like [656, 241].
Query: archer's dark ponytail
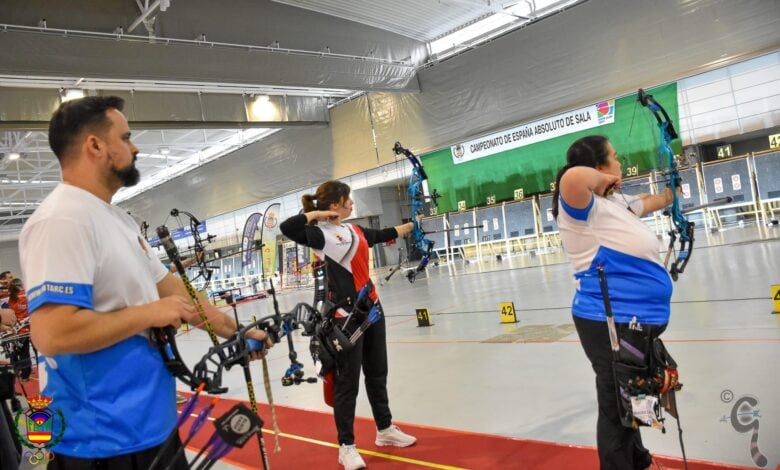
[590, 151]
[329, 192]
[309, 203]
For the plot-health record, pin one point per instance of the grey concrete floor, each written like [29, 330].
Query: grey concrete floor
[722, 334]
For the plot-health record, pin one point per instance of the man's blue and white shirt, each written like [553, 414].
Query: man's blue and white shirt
[78, 250]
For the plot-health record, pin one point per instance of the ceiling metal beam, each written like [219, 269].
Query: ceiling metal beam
[144, 14]
[53, 164]
[488, 6]
[75, 33]
[29, 185]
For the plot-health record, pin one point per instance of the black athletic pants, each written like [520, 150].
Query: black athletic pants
[620, 448]
[140, 460]
[371, 353]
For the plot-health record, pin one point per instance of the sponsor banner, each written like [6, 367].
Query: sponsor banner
[268, 232]
[538, 131]
[248, 240]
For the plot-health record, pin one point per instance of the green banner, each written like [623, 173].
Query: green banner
[532, 168]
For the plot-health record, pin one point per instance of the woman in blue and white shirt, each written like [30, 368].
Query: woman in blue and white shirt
[599, 229]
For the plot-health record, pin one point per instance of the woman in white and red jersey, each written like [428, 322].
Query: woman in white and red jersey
[344, 248]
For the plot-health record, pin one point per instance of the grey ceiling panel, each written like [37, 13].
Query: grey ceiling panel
[170, 107]
[223, 108]
[31, 108]
[404, 118]
[291, 158]
[258, 23]
[24, 53]
[255, 22]
[27, 105]
[305, 109]
[75, 14]
[353, 148]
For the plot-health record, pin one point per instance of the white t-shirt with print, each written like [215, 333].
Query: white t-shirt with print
[76, 249]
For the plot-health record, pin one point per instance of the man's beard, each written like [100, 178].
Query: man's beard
[129, 175]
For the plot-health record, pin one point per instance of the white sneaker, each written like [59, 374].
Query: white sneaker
[350, 458]
[393, 436]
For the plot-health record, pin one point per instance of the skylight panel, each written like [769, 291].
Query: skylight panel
[491, 26]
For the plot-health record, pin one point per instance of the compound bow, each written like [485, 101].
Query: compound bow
[417, 199]
[222, 355]
[198, 246]
[683, 228]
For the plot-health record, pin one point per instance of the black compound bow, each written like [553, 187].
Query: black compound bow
[221, 355]
[198, 246]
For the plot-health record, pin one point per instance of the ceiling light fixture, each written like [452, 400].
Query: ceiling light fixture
[14, 156]
[263, 109]
[72, 94]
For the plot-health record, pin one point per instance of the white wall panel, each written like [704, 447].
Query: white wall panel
[709, 89]
[712, 104]
[740, 98]
[714, 116]
[762, 75]
[757, 92]
[755, 108]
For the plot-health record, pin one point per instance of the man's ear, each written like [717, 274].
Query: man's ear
[93, 146]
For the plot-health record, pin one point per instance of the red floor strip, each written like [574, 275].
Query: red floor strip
[436, 447]
[310, 436]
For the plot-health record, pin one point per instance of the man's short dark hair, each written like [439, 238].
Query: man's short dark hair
[4, 274]
[74, 116]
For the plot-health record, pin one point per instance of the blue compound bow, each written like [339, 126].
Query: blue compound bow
[683, 228]
[417, 200]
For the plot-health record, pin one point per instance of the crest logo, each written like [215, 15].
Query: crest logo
[458, 151]
[39, 428]
[270, 220]
[606, 111]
